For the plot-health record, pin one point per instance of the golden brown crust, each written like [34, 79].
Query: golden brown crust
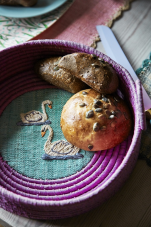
[48, 70]
[93, 122]
[92, 70]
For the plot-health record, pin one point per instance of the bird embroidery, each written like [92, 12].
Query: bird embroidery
[35, 117]
[59, 149]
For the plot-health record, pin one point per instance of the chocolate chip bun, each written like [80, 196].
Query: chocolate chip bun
[92, 121]
[48, 70]
[92, 70]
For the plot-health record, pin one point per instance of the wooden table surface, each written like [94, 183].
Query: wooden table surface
[131, 206]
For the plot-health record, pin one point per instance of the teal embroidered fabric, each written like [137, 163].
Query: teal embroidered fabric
[144, 74]
[23, 146]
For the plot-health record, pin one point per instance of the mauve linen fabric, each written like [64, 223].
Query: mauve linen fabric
[79, 22]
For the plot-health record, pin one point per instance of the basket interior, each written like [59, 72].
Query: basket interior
[22, 171]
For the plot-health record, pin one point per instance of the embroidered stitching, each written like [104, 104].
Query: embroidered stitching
[59, 149]
[35, 117]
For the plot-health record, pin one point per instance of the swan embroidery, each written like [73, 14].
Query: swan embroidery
[59, 149]
[35, 117]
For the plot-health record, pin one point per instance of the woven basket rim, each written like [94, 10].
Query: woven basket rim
[136, 136]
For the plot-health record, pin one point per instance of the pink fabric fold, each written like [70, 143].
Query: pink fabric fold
[79, 22]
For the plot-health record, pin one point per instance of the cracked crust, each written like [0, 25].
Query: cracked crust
[92, 70]
[49, 71]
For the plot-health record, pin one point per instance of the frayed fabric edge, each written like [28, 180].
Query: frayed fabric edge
[109, 23]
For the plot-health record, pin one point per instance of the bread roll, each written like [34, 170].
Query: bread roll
[92, 70]
[93, 122]
[48, 70]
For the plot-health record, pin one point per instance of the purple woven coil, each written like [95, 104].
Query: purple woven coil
[103, 175]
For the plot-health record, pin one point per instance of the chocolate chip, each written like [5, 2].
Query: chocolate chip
[94, 56]
[95, 106]
[98, 110]
[105, 99]
[111, 116]
[56, 68]
[89, 114]
[96, 127]
[90, 146]
[82, 104]
[98, 102]
[95, 65]
[113, 112]
[101, 59]
[84, 93]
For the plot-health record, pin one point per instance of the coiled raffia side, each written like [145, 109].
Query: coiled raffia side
[103, 175]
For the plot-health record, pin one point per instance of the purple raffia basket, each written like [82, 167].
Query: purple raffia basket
[100, 178]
